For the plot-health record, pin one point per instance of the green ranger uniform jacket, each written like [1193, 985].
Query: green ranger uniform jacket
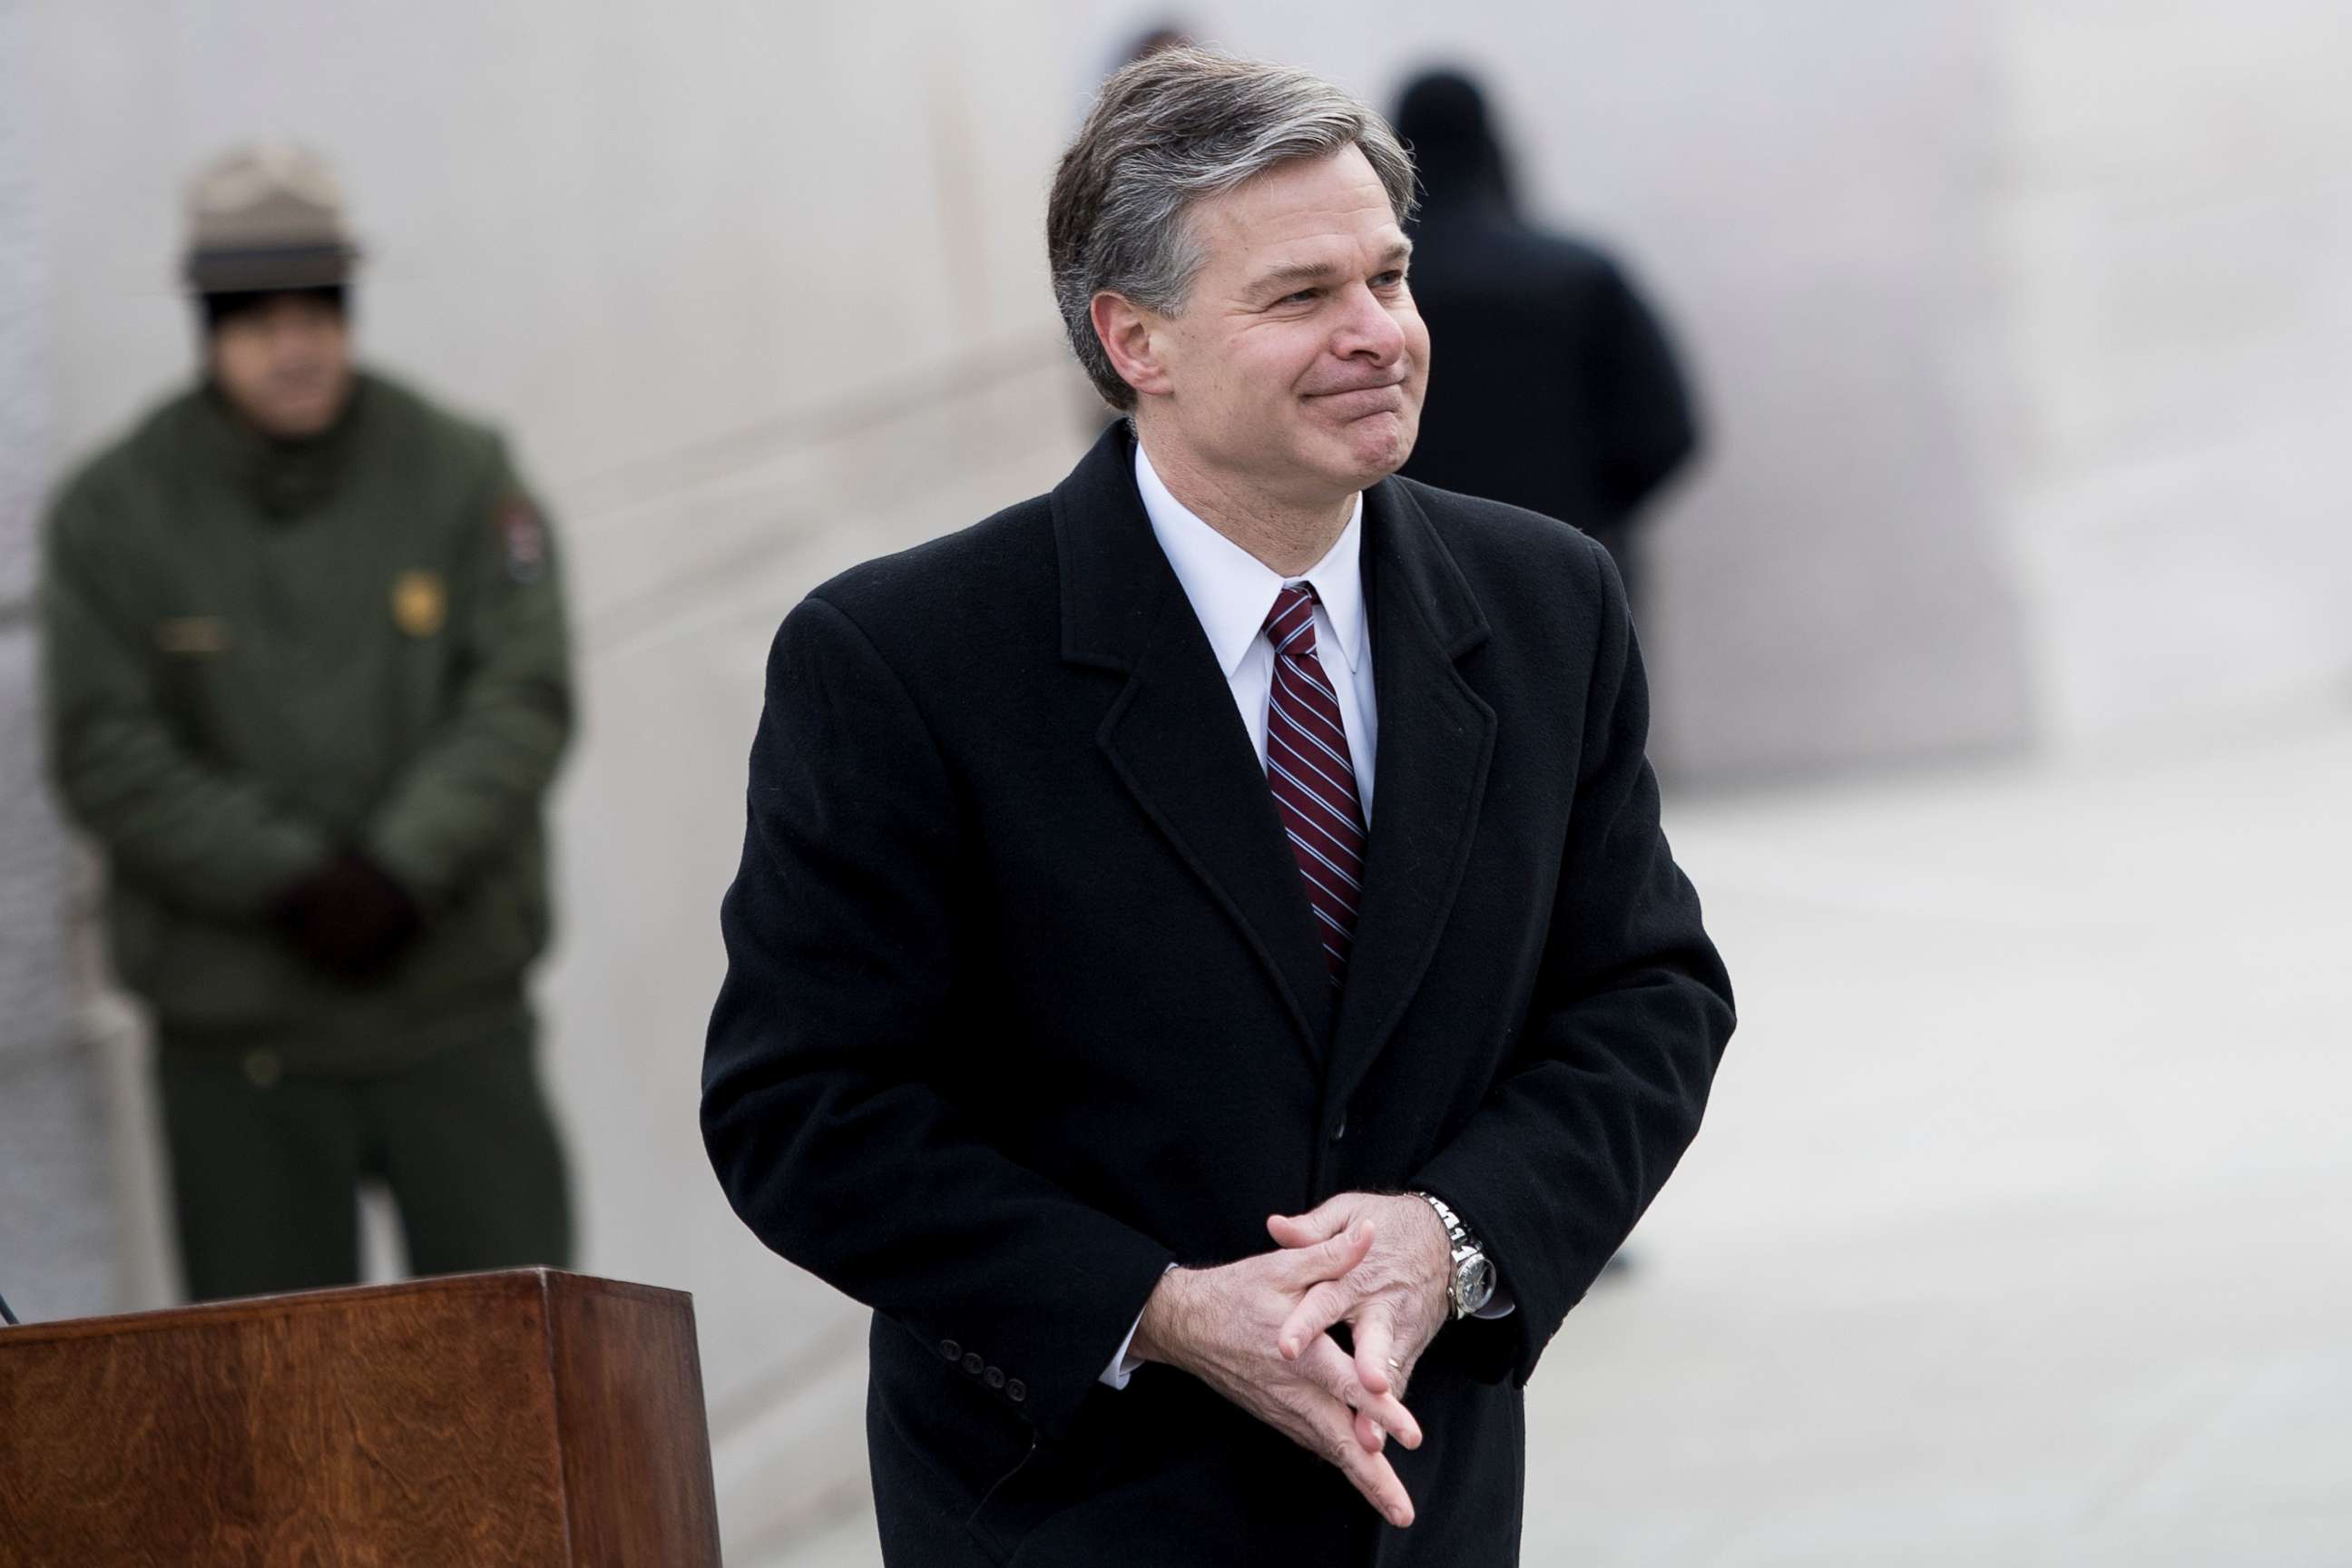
[260, 654]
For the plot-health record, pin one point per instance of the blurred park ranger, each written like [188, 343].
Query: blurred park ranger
[307, 686]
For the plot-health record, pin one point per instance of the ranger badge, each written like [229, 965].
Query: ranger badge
[420, 602]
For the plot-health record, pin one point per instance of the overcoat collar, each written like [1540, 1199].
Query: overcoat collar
[1177, 743]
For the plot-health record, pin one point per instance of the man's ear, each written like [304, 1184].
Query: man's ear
[1134, 337]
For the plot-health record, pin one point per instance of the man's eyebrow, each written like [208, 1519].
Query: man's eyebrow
[1298, 272]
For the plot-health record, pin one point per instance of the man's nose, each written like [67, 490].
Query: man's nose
[1367, 331]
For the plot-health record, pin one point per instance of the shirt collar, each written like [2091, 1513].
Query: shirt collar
[1232, 590]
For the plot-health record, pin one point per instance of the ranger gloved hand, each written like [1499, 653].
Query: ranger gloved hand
[351, 919]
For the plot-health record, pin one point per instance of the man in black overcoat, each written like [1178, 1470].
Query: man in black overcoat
[1205, 969]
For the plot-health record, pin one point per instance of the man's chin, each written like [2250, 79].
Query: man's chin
[1377, 445]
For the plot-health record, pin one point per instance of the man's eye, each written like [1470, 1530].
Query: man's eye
[1300, 298]
[1389, 279]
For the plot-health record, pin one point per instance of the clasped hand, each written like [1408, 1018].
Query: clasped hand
[1256, 1331]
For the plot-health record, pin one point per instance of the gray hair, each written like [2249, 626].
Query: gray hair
[1176, 126]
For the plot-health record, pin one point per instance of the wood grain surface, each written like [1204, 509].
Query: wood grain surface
[521, 1418]
[634, 1438]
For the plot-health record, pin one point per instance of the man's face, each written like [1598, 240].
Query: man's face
[1297, 363]
[285, 364]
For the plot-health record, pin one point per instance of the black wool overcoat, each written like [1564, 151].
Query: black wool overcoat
[1023, 1005]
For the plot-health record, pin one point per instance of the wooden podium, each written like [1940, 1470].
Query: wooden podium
[514, 1419]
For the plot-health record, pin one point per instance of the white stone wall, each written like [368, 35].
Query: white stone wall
[2174, 223]
[2019, 333]
[59, 1219]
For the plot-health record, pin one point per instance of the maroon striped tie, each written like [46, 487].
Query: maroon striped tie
[1313, 779]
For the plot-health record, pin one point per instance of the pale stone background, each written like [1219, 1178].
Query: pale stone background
[58, 1213]
[2024, 332]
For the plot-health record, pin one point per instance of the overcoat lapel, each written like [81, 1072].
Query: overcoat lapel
[1436, 738]
[1172, 734]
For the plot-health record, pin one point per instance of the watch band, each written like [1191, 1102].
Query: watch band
[1463, 1248]
[1454, 1228]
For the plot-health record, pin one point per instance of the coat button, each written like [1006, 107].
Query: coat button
[263, 1069]
[972, 1364]
[951, 1349]
[1016, 1391]
[993, 1377]
[1340, 1131]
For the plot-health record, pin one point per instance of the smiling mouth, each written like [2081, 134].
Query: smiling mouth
[1365, 402]
[1352, 391]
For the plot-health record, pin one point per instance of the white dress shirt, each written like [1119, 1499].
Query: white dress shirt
[1233, 592]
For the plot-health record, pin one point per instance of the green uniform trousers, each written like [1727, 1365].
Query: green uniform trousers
[266, 1165]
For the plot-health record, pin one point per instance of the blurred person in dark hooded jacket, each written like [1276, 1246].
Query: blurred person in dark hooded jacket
[1558, 390]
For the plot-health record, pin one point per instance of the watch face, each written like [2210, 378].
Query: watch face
[1476, 1280]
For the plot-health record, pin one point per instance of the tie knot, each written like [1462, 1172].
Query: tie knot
[1293, 616]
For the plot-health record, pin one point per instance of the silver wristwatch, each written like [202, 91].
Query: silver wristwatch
[1472, 1284]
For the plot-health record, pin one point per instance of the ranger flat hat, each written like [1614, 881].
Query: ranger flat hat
[264, 217]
